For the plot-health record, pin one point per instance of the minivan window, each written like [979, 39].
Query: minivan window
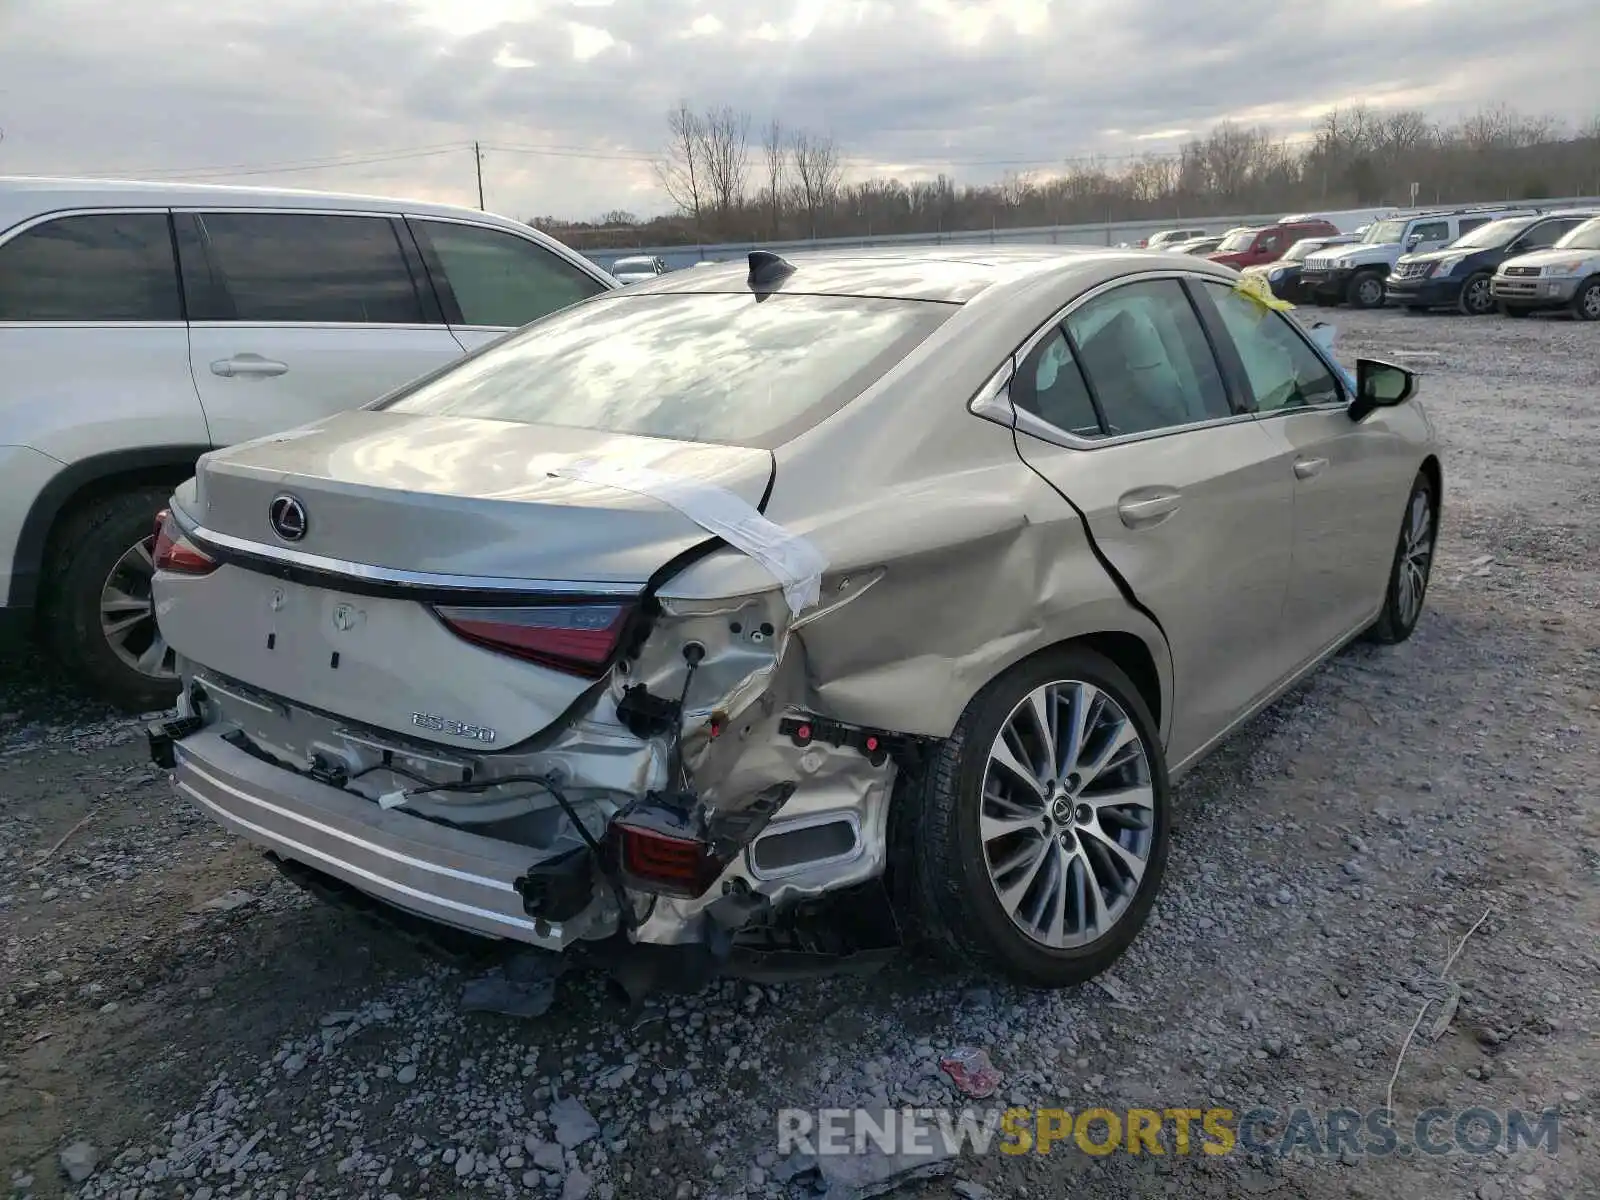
[309, 267]
[498, 279]
[706, 367]
[96, 267]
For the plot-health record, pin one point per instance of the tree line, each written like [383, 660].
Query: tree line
[730, 181]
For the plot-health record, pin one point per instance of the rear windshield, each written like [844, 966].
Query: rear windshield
[703, 367]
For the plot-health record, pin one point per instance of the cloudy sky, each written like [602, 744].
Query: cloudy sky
[569, 97]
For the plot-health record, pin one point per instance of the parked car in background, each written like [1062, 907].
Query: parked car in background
[1196, 246]
[513, 651]
[142, 325]
[1166, 239]
[637, 268]
[1459, 276]
[1268, 243]
[1567, 275]
[1283, 276]
[1357, 274]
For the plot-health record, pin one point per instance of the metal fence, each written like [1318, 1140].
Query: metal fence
[1101, 234]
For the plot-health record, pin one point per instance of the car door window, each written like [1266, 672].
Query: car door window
[498, 279]
[1146, 358]
[308, 267]
[1426, 232]
[95, 267]
[1546, 233]
[1051, 387]
[1282, 370]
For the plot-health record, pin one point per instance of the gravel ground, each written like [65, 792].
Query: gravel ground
[177, 1020]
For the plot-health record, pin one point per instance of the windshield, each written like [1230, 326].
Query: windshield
[1305, 246]
[1242, 240]
[1384, 231]
[632, 264]
[1495, 233]
[1584, 237]
[702, 367]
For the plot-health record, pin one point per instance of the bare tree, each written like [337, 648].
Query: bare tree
[775, 153]
[818, 172]
[725, 155]
[682, 168]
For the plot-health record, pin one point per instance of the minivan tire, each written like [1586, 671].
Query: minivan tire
[954, 906]
[90, 544]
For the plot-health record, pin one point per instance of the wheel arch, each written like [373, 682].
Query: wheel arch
[1131, 653]
[83, 482]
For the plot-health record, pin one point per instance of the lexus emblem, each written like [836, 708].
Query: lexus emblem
[288, 517]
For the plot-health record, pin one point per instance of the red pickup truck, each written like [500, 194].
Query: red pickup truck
[1268, 243]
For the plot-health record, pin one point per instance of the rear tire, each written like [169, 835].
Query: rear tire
[99, 619]
[1412, 567]
[1046, 845]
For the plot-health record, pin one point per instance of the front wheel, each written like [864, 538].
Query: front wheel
[99, 614]
[1366, 290]
[1476, 300]
[1586, 304]
[1412, 566]
[1040, 827]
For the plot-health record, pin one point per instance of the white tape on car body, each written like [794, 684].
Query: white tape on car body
[793, 561]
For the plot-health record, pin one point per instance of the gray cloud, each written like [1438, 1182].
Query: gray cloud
[924, 85]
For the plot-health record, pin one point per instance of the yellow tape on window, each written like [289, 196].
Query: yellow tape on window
[1256, 288]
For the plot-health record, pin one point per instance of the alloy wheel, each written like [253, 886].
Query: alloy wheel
[1416, 558]
[1478, 299]
[1068, 814]
[128, 614]
[1589, 302]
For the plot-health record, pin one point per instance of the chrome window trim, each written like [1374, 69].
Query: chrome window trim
[338, 326]
[993, 401]
[427, 580]
[116, 210]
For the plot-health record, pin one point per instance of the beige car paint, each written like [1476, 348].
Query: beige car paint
[951, 555]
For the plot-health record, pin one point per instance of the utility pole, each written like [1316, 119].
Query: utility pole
[477, 159]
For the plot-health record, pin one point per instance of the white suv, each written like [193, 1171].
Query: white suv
[142, 325]
[1355, 274]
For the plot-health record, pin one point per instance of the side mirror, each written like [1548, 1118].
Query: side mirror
[1380, 385]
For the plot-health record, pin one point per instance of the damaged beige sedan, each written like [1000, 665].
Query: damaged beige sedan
[733, 608]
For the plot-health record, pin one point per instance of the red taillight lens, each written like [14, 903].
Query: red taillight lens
[176, 553]
[576, 638]
[659, 862]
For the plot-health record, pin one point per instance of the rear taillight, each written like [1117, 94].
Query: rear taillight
[175, 553]
[653, 860]
[577, 638]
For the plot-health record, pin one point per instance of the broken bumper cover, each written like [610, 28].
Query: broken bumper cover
[445, 874]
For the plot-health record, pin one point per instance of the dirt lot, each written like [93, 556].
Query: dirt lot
[211, 1032]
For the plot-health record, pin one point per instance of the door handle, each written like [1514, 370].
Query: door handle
[1148, 508]
[1307, 468]
[248, 366]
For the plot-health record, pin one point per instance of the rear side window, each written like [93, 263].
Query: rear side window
[310, 268]
[1051, 387]
[1147, 360]
[706, 367]
[97, 267]
[501, 280]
